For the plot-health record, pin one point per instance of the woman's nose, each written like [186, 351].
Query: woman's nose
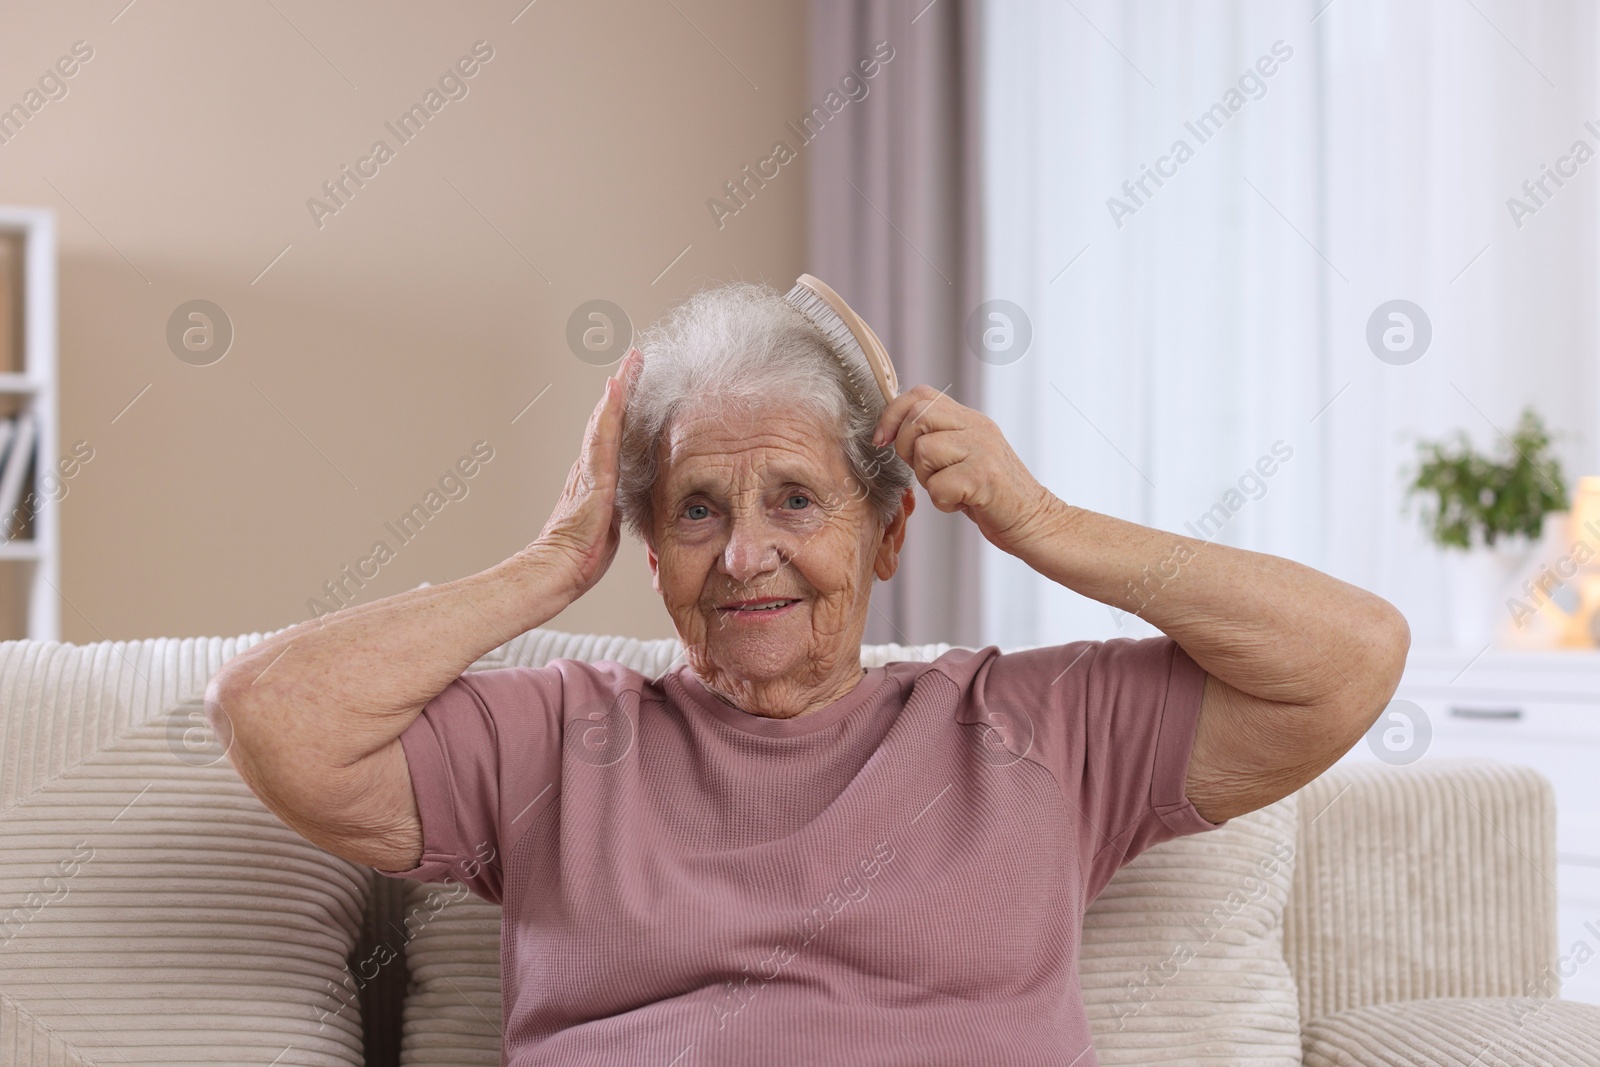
[752, 549]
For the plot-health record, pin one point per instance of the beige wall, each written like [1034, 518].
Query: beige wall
[382, 345]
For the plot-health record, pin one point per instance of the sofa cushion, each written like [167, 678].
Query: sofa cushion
[151, 909]
[1182, 953]
[452, 1010]
[1457, 1032]
[1433, 880]
[1215, 899]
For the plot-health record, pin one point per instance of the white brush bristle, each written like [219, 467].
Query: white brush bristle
[840, 340]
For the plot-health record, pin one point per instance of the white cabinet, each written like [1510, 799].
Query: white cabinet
[1538, 709]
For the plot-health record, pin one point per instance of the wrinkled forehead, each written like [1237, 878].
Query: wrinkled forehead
[741, 449]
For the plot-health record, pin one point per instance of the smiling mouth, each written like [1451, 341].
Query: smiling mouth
[767, 606]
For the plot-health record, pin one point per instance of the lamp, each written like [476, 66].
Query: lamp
[1585, 531]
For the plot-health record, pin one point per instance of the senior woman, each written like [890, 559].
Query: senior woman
[769, 854]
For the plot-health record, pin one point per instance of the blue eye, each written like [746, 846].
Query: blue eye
[804, 500]
[696, 511]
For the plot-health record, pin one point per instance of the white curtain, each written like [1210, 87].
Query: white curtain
[1200, 345]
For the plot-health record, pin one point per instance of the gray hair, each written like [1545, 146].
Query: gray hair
[744, 343]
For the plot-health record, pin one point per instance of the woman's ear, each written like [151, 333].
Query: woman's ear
[894, 535]
[655, 566]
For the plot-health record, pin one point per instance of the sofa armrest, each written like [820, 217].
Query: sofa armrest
[1429, 881]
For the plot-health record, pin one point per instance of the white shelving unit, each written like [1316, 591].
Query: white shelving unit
[35, 388]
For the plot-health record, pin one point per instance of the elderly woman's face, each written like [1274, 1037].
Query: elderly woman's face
[764, 550]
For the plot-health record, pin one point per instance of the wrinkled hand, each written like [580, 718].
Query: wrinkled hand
[580, 538]
[966, 464]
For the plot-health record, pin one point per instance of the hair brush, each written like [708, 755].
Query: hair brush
[848, 336]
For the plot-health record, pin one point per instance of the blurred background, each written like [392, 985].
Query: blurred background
[374, 346]
[1245, 272]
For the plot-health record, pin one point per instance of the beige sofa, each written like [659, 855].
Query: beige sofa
[152, 911]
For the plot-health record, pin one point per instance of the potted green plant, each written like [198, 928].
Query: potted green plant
[1488, 513]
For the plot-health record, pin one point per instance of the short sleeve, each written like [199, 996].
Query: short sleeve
[484, 757]
[1115, 723]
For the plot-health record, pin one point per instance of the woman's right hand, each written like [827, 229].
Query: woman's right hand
[581, 536]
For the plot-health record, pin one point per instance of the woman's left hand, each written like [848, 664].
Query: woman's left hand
[966, 464]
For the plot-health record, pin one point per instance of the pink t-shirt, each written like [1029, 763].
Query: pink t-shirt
[897, 878]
